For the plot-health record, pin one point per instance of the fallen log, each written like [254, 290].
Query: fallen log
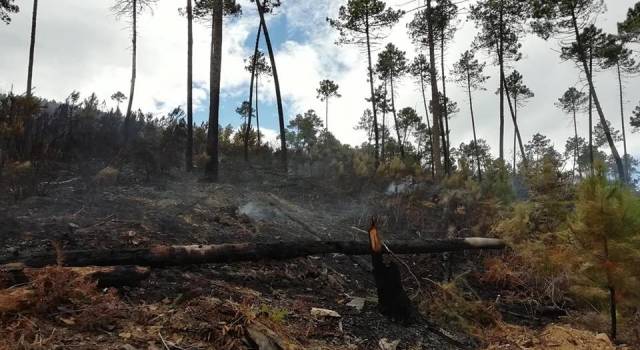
[226, 253]
[105, 277]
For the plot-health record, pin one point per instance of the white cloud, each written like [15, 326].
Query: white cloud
[87, 49]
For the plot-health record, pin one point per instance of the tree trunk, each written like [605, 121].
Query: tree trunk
[283, 141]
[515, 125]
[627, 172]
[446, 109]
[373, 96]
[258, 111]
[435, 99]
[502, 80]
[612, 290]
[426, 111]
[384, 123]
[213, 134]
[473, 126]
[247, 133]
[395, 118]
[591, 158]
[603, 120]
[189, 148]
[326, 113]
[134, 40]
[575, 151]
[515, 117]
[34, 20]
[226, 253]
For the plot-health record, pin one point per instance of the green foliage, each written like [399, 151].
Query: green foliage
[6, 8]
[203, 8]
[392, 63]
[518, 91]
[328, 88]
[497, 182]
[468, 72]
[360, 16]
[635, 120]
[572, 101]
[509, 16]
[629, 29]
[274, 314]
[606, 230]
[304, 129]
[262, 68]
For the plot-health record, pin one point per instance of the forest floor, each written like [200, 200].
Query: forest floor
[262, 305]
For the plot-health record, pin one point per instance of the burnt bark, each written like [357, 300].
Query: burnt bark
[228, 253]
[34, 20]
[267, 38]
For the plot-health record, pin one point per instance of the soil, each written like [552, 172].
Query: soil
[264, 305]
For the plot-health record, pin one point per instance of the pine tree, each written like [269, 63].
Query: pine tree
[215, 10]
[606, 228]
[469, 73]
[615, 54]
[516, 89]
[629, 29]
[132, 9]
[566, 17]
[422, 30]
[258, 66]
[501, 25]
[326, 90]
[7, 7]
[421, 71]
[391, 67]
[572, 102]
[34, 20]
[362, 23]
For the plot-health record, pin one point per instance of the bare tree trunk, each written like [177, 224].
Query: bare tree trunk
[134, 40]
[612, 292]
[384, 123]
[515, 125]
[426, 111]
[257, 110]
[283, 141]
[603, 120]
[473, 125]
[373, 96]
[395, 118]
[189, 148]
[251, 85]
[225, 253]
[213, 134]
[624, 133]
[326, 114]
[435, 100]
[502, 80]
[575, 150]
[446, 110]
[34, 20]
[515, 116]
[591, 157]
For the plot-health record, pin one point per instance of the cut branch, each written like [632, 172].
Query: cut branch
[227, 253]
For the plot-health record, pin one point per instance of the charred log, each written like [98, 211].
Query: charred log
[228, 253]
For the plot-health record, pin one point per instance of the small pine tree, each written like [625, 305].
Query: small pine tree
[606, 227]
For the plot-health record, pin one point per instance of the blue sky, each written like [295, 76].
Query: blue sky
[279, 32]
[88, 50]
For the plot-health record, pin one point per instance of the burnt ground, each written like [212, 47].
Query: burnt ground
[215, 306]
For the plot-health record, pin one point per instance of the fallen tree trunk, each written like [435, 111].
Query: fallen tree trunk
[105, 277]
[227, 253]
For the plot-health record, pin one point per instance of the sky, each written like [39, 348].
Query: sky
[82, 46]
